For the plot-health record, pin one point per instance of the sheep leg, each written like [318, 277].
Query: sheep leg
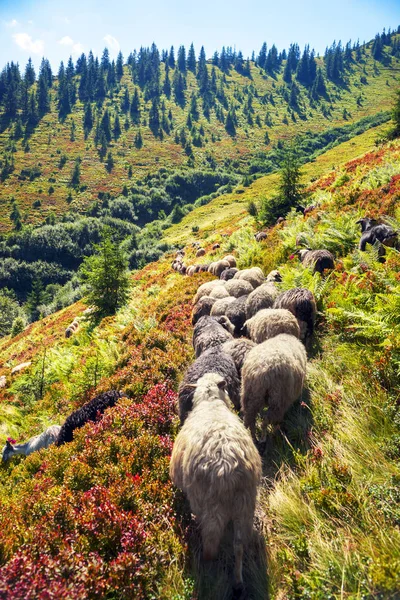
[238, 552]
[211, 533]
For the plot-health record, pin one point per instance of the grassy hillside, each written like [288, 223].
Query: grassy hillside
[99, 517]
[43, 162]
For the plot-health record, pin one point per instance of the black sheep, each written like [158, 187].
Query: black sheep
[87, 412]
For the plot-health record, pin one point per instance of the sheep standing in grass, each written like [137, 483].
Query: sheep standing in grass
[87, 412]
[269, 322]
[236, 313]
[301, 303]
[213, 360]
[220, 306]
[238, 287]
[205, 289]
[43, 440]
[228, 274]
[209, 332]
[319, 260]
[215, 463]
[273, 277]
[373, 232]
[272, 376]
[202, 308]
[254, 276]
[238, 349]
[262, 297]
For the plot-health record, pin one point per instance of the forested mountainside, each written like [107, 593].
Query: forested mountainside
[137, 146]
[99, 517]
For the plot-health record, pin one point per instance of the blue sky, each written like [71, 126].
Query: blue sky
[57, 29]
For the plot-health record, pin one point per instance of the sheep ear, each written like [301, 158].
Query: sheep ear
[222, 384]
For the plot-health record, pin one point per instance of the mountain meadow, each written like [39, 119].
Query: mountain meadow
[170, 150]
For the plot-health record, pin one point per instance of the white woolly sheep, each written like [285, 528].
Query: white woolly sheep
[319, 260]
[219, 292]
[238, 349]
[231, 260]
[3, 381]
[215, 463]
[43, 440]
[272, 376]
[269, 322]
[238, 287]
[255, 276]
[261, 236]
[273, 276]
[202, 308]
[200, 252]
[209, 332]
[301, 303]
[262, 297]
[21, 367]
[213, 360]
[205, 289]
[220, 306]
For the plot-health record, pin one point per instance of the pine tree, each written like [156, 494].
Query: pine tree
[179, 86]
[76, 175]
[105, 125]
[87, 119]
[43, 96]
[287, 72]
[125, 102]
[135, 107]
[182, 59]
[109, 162]
[167, 83]
[154, 118]
[171, 58]
[116, 128]
[106, 276]
[138, 141]
[15, 216]
[35, 298]
[30, 75]
[230, 124]
[191, 59]
[119, 67]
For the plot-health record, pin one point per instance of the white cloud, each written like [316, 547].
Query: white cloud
[66, 41]
[12, 23]
[30, 22]
[67, 21]
[112, 43]
[24, 41]
[76, 47]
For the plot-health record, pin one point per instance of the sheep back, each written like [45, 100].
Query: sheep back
[209, 332]
[228, 274]
[238, 287]
[202, 308]
[269, 322]
[301, 303]
[262, 297]
[238, 349]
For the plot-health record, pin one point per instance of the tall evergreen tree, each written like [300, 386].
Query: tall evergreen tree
[87, 119]
[125, 102]
[30, 75]
[171, 58]
[116, 128]
[191, 59]
[182, 59]
[135, 107]
[119, 67]
[167, 83]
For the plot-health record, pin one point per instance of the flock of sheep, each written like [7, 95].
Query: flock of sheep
[250, 345]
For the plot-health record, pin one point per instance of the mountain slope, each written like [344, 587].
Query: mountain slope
[98, 517]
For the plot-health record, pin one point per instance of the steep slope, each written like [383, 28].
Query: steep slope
[98, 517]
[266, 110]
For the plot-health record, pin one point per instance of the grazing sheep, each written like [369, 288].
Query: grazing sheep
[209, 332]
[280, 220]
[378, 233]
[231, 260]
[262, 297]
[72, 328]
[200, 252]
[261, 236]
[236, 313]
[205, 289]
[21, 367]
[215, 246]
[255, 276]
[202, 308]
[318, 259]
[269, 322]
[204, 268]
[272, 376]
[196, 245]
[183, 270]
[43, 440]
[221, 266]
[3, 381]
[190, 271]
[213, 360]
[301, 303]
[220, 306]
[274, 277]
[367, 223]
[238, 349]
[238, 287]
[228, 274]
[215, 463]
[219, 292]
[87, 412]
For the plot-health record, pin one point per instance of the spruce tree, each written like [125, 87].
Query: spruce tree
[35, 298]
[15, 216]
[167, 83]
[182, 59]
[191, 59]
[230, 124]
[119, 67]
[171, 58]
[87, 119]
[125, 102]
[116, 128]
[106, 275]
[135, 107]
[30, 75]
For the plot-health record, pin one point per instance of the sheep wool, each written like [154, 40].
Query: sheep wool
[272, 376]
[209, 332]
[238, 349]
[238, 287]
[213, 360]
[301, 303]
[269, 322]
[215, 462]
[219, 307]
[205, 289]
[202, 308]
[262, 297]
